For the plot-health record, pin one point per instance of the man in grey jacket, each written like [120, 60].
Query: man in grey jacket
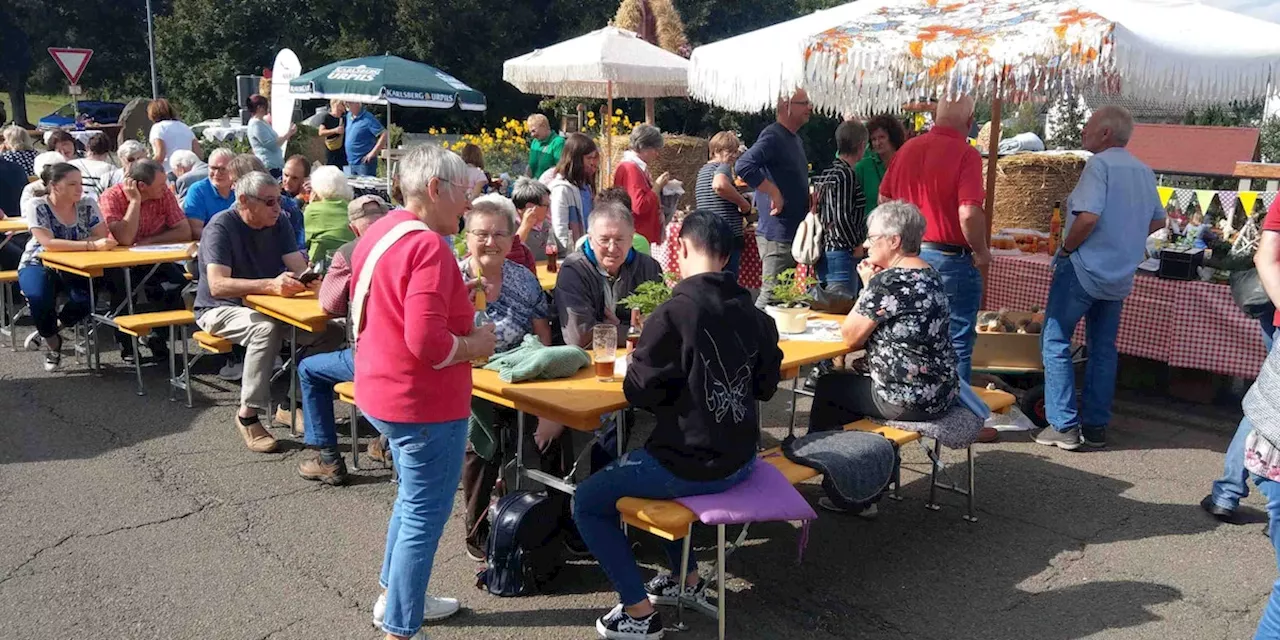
[592, 281]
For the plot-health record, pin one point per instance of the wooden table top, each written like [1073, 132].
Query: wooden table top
[578, 402]
[90, 264]
[302, 311]
[12, 224]
[546, 278]
[797, 353]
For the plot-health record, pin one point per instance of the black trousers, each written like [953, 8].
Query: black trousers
[842, 397]
[164, 290]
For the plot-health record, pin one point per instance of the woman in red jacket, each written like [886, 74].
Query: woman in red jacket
[413, 320]
[632, 174]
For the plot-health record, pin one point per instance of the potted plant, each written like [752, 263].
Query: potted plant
[790, 301]
[647, 297]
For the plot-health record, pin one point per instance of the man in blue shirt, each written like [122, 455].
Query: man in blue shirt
[1112, 210]
[211, 195]
[776, 167]
[366, 138]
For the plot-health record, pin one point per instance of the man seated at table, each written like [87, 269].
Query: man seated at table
[142, 211]
[213, 194]
[251, 249]
[318, 374]
[245, 163]
[188, 169]
[708, 336]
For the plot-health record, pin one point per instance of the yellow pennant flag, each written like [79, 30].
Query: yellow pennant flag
[1205, 198]
[1247, 200]
[1165, 194]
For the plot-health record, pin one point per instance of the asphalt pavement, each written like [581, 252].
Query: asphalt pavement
[135, 517]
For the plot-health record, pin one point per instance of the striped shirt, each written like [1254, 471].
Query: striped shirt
[707, 199]
[843, 210]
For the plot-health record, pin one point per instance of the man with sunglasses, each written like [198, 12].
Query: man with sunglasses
[250, 249]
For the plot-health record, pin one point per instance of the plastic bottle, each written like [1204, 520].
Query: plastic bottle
[553, 252]
[482, 318]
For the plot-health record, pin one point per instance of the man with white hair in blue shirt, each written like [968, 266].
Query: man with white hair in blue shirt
[1112, 210]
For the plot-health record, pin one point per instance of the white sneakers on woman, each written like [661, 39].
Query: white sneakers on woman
[434, 609]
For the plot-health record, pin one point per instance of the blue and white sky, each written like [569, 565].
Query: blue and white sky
[1264, 9]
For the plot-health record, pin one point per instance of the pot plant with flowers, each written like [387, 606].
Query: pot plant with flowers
[790, 298]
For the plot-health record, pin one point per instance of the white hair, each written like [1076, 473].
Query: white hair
[17, 138]
[222, 152]
[132, 150]
[329, 183]
[494, 204]
[45, 159]
[900, 219]
[645, 136]
[611, 211]
[428, 161]
[183, 159]
[252, 183]
[1118, 120]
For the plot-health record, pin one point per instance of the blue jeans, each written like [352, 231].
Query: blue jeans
[1068, 303]
[428, 459]
[1233, 486]
[637, 474]
[1267, 322]
[1269, 625]
[364, 169]
[317, 376]
[41, 285]
[836, 267]
[963, 283]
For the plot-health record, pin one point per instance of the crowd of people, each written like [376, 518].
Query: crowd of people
[905, 237]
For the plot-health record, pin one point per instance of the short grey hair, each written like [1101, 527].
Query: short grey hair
[251, 183]
[494, 204]
[425, 162]
[529, 190]
[145, 171]
[900, 219]
[222, 152]
[1118, 120]
[17, 138]
[131, 150]
[183, 159]
[611, 211]
[329, 183]
[645, 136]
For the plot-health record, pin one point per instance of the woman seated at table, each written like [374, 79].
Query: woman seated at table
[61, 219]
[518, 308]
[325, 218]
[901, 319]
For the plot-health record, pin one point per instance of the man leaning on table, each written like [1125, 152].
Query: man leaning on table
[1112, 210]
[250, 249]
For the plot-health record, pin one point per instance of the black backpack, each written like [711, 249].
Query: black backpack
[524, 551]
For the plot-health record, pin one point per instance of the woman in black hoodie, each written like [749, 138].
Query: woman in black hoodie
[703, 360]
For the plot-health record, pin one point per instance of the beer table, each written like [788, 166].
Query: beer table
[13, 224]
[546, 278]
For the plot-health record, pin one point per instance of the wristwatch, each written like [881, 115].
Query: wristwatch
[1065, 251]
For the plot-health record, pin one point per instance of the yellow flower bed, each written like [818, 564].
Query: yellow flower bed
[508, 144]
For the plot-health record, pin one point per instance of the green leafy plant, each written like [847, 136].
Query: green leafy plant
[789, 291]
[649, 295]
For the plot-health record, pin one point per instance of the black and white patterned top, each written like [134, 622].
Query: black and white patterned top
[38, 214]
[843, 210]
[912, 362]
[24, 157]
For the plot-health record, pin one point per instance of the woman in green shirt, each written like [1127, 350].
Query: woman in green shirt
[887, 136]
[325, 218]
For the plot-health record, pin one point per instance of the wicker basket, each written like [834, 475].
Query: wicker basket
[681, 156]
[1027, 185]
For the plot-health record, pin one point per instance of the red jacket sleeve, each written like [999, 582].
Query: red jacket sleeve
[1272, 221]
[432, 288]
[645, 205]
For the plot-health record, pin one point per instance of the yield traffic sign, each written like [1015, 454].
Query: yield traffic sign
[72, 61]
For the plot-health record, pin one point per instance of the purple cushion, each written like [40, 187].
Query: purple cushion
[764, 496]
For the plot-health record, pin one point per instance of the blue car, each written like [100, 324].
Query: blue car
[65, 116]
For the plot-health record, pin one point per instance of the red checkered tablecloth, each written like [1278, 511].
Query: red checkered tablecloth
[1191, 325]
[748, 266]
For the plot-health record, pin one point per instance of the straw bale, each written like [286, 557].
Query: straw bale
[1027, 185]
[681, 156]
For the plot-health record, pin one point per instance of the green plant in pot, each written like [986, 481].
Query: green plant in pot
[647, 297]
[789, 296]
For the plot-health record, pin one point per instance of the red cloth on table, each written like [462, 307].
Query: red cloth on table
[748, 261]
[645, 205]
[1187, 324]
[938, 172]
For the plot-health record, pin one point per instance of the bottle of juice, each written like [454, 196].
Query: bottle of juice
[1055, 228]
[482, 318]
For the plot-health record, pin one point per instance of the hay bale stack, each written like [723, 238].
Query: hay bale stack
[1027, 185]
[681, 156]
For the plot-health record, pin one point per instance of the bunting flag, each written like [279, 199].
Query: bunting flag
[1247, 200]
[1268, 197]
[1205, 198]
[1165, 194]
[1227, 199]
[1184, 197]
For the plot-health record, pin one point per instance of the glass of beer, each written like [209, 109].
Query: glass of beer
[604, 350]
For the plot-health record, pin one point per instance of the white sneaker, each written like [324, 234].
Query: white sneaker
[231, 371]
[434, 609]
[33, 342]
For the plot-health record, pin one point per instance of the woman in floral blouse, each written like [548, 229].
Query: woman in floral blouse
[902, 319]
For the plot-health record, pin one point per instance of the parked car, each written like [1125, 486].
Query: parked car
[65, 116]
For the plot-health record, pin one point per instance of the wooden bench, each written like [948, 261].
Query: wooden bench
[208, 344]
[346, 392]
[8, 311]
[138, 325]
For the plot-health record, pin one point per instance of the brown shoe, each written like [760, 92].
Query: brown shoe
[256, 437]
[282, 418]
[378, 450]
[988, 434]
[312, 467]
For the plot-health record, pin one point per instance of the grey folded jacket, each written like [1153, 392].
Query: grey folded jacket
[856, 466]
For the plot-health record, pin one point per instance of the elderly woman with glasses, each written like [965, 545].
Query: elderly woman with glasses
[632, 174]
[901, 319]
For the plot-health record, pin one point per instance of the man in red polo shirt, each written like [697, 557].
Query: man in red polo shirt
[942, 175]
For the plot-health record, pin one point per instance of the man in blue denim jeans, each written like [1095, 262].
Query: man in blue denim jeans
[1112, 210]
[1233, 486]
[942, 175]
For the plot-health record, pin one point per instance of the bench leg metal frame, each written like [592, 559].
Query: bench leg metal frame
[934, 485]
[355, 438]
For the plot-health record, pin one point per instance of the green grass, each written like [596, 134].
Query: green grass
[38, 105]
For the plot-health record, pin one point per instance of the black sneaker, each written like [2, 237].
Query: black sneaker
[1095, 437]
[575, 546]
[618, 625]
[52, 360]
[1223, 514]
[664, 589]
[159, 348]
[126, 354]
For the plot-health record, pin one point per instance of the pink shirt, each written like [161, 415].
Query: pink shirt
[416, 307]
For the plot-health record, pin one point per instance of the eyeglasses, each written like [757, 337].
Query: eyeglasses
[214, 168]
[871, 239]
[484, 236]
[609, 243]
[270, 202]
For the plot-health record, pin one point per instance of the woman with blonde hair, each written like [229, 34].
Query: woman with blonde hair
[168, 134]
[17, 148]
[715, 191]
[325, 218]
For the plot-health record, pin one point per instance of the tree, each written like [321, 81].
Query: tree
[15, 65]
[1067, 117]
